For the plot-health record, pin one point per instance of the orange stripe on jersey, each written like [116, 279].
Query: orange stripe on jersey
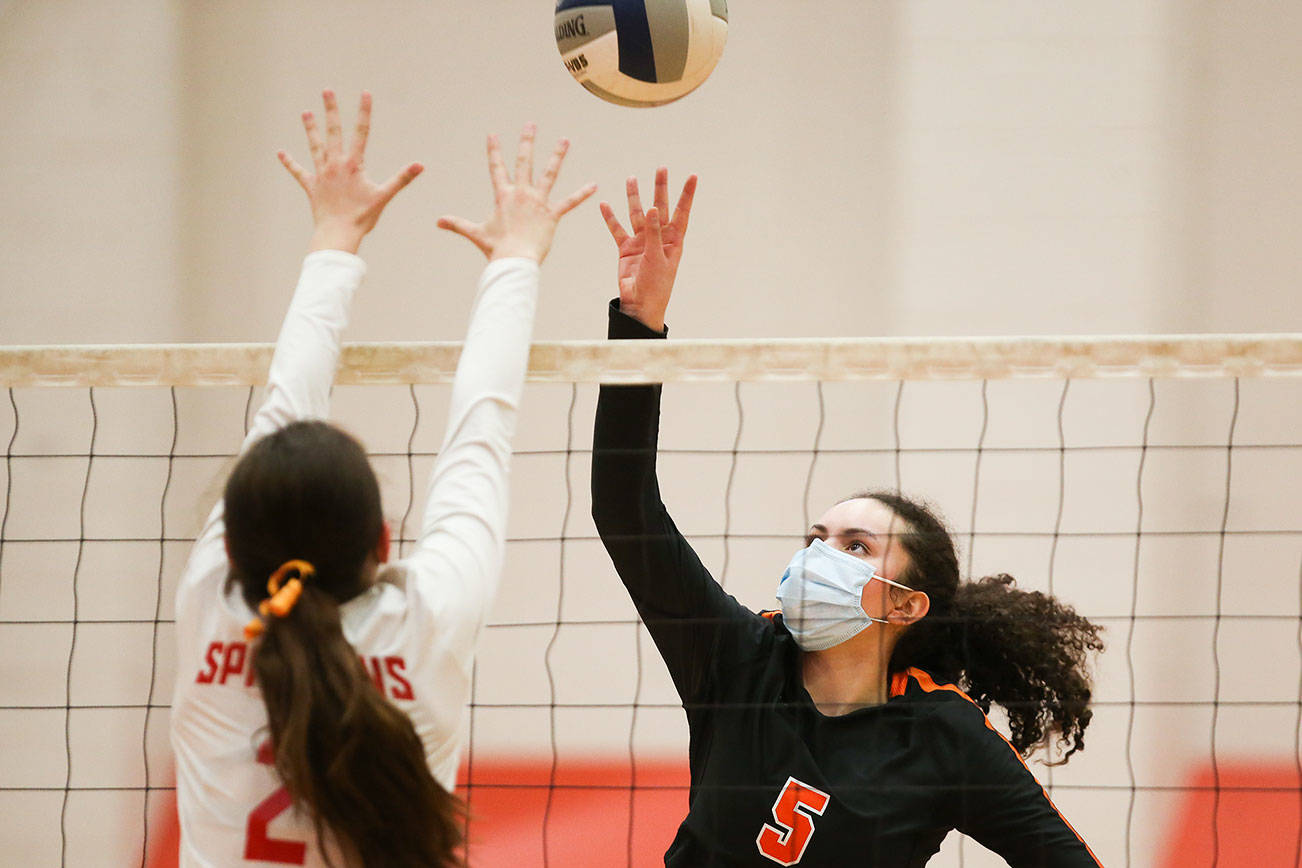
[770, 613]
[927, 683]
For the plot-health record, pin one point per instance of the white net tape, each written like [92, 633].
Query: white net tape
[686, 361]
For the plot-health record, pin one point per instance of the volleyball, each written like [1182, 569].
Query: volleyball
[641, 52]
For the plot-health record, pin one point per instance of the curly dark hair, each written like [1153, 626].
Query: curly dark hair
[1022, 650]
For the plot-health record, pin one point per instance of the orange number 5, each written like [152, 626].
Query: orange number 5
[257, 845]
[785, 843]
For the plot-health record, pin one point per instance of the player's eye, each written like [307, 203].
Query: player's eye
[856, 545]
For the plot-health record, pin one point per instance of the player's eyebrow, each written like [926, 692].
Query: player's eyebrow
[815, 529]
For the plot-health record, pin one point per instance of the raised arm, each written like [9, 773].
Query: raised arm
[345, 206]
[464, 527]
[685, 610]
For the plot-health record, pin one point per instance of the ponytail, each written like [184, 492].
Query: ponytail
[1022, 650]
[350, 759]
[347, 755]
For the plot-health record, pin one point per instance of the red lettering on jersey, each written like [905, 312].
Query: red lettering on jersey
[257, 844]
[786, 843]
[206, 676]
[395, 666]
[233, 661]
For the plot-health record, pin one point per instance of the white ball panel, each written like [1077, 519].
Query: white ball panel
[654, 93]
[708, 37]
[597, 55]
[595, 63]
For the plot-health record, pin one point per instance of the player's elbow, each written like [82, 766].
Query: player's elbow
[606, 502]
[603, 513]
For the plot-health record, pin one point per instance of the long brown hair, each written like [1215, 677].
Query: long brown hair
[1024, 650]
[348, 757]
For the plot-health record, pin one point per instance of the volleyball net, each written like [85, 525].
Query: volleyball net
[1151, 482]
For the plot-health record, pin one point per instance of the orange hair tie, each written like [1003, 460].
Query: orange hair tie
[282, 598]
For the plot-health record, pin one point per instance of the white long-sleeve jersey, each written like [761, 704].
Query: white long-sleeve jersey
[415, 629]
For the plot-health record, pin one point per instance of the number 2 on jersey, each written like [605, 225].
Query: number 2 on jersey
[257, 844]
[785, 843]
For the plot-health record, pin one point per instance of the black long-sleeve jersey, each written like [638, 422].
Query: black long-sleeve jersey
[773, 780]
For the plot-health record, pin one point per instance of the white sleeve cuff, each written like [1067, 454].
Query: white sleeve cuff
[509, 263]
[336, 257]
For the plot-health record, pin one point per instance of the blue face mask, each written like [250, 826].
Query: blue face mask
[821, 594]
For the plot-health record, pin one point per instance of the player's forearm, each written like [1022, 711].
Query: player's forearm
[652, 558]
[681, 604]
[678, 600]
[646, 548]
[307, 350]
[624, 488]
[495, 356]
[466, 501]
[626, 505]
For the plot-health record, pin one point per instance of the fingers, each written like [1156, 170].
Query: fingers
[334, 135]
[459, 225]
[496, 168]
[574, 200]
[524, 157]
[463, 227]
[684, 208]
[314, 140]
[299, 173]
[654, 244]
[612, 223]
[635, 216]
[553, 168]
[661, 200]
[363, 130]
[400, 179]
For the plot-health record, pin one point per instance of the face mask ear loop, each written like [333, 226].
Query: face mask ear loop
[891, 582]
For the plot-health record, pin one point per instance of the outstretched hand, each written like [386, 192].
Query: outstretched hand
[345, 203]
[523, 222]
[648, 258]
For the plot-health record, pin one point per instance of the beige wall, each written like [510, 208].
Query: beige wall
[938, 168]
[91, 95]
[867, 168]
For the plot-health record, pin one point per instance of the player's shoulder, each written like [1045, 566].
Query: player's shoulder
[768, 624]
[946, 699]
[754, 639]
[957, 721]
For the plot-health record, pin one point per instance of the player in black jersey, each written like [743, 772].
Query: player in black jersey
[834, 733]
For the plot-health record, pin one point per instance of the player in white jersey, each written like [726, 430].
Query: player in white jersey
[319, 711]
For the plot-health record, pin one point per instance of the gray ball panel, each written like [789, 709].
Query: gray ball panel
[670, 33]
